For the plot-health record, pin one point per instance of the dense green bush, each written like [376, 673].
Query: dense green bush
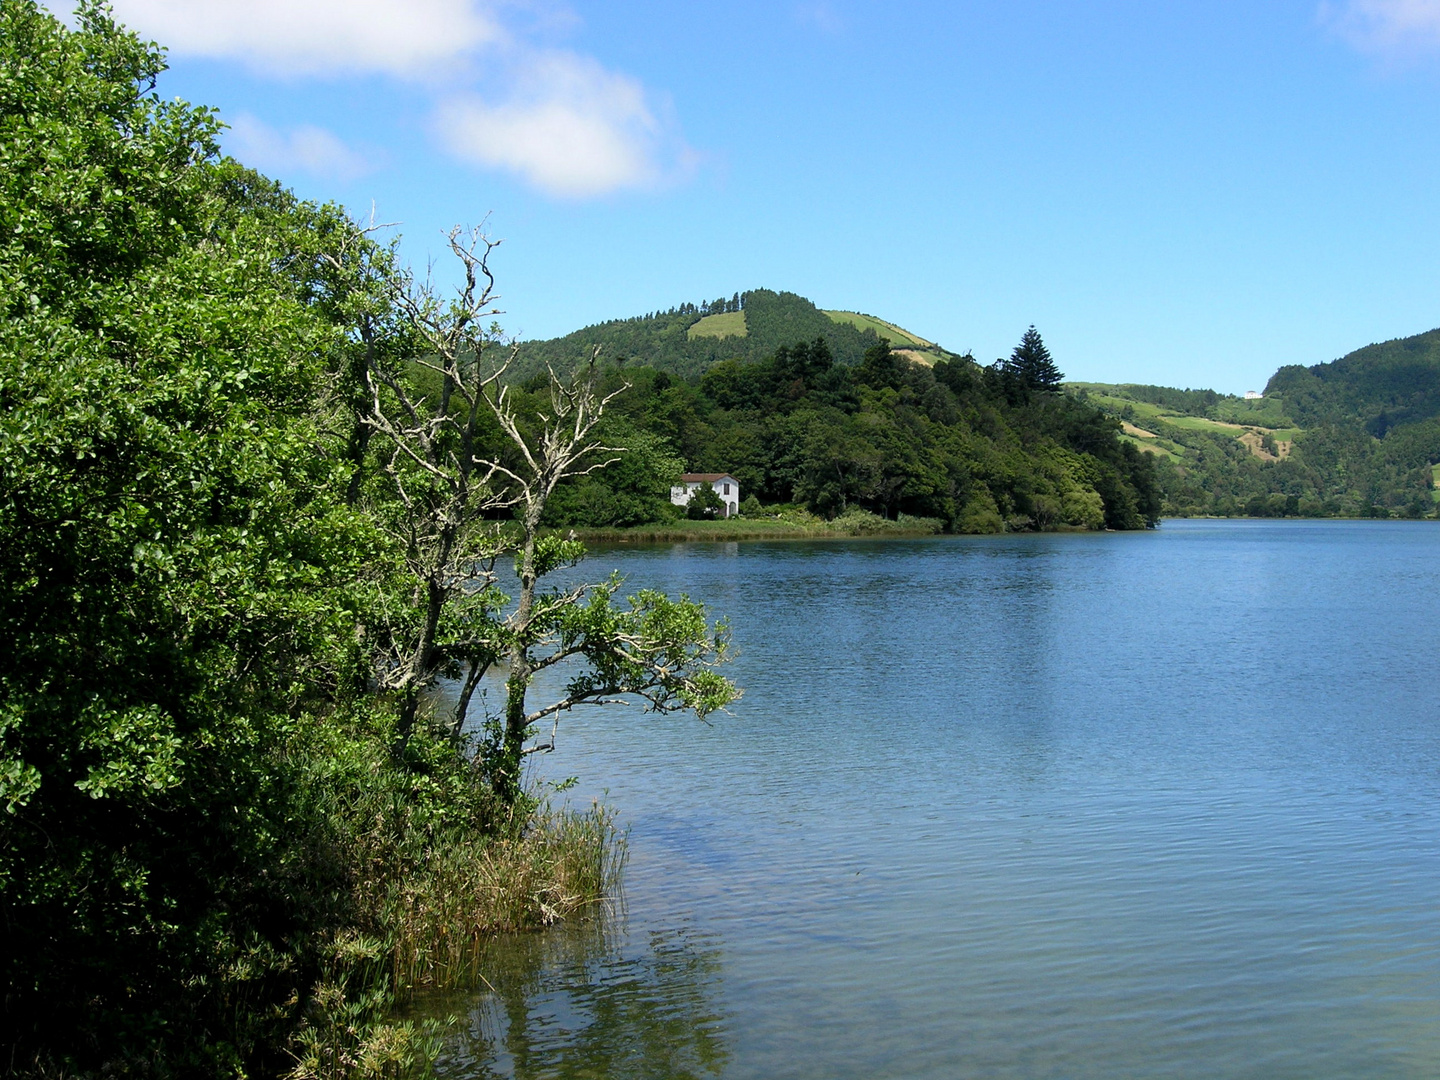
[176, 568]
[210, 853]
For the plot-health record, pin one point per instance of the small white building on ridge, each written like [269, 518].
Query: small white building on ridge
[725, 485]
[1253, 395]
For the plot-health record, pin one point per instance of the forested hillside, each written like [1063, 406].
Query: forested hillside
[977, 449]
[1357, 437]
[1379, 387]
[688, 338]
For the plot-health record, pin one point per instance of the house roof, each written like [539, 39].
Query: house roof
[705, 477]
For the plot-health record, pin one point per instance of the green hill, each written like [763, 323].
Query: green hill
[1359, 436]
[812, 412]
[687, 339]
[1379, 387]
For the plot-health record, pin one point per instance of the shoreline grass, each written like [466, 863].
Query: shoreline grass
[789, 525]
[428, 914]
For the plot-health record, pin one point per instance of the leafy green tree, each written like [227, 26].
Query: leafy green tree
[176, 557]
[231, 432]
[705, 503]
[450, 480]
[881, 368]
[631, 491]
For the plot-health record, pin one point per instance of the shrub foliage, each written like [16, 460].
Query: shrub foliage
[230, 833]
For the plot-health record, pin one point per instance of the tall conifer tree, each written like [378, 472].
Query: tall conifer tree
[1031, 362]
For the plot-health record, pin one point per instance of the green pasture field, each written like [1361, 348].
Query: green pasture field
[1262, 412]
[1147, 415]
[726, 324]
[1143, 409]
[898, 337]
[1154, 446]
[1268, 413]
[1200, 423]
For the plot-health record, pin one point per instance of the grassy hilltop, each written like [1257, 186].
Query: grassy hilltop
[688, 338]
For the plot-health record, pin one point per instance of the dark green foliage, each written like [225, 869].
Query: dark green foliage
[1031, 365]
[804, 410]
[1379, 387]
[214, 849]
[632, 491]
[704, 504]
[881, 368]
[893, 437]
[1374, 420]
[174, 555]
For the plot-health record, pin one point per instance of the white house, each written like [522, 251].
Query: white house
[1253, 395]
[725, 485]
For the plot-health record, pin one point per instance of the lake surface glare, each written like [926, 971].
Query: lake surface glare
[1112, 805]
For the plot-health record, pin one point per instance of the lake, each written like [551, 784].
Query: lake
[1116, 805]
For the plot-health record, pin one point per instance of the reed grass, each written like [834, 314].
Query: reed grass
[424, 917]
[564, 864]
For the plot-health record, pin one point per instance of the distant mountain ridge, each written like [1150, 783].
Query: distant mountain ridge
[1357, 436]
[1382, 386]
[687, 339]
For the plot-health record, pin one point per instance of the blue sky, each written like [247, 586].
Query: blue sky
[1187, 193]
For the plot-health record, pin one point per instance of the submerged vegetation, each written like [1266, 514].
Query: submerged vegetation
[258, 503]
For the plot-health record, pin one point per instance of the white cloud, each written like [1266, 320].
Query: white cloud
[571, 128]
[561, 121]
[820, 15]
[306, 148]
[1393, 28]
[305, 37]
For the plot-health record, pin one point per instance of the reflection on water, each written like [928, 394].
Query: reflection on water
[589, 1000]
[1082, 807]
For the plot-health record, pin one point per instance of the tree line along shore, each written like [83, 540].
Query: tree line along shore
[1355, 437]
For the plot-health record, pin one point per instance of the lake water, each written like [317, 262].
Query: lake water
[1116, 805]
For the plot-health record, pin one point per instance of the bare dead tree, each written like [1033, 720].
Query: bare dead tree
[434, 430]
[457, 454]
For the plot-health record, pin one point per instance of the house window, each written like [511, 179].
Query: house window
[727, 489]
